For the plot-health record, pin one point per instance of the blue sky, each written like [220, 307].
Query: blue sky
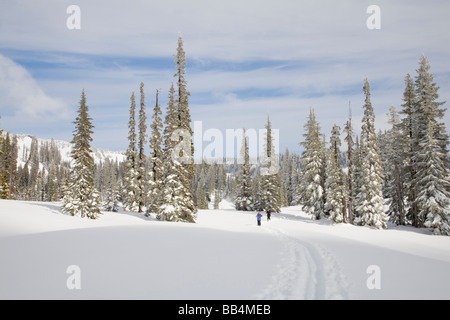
[246, 59]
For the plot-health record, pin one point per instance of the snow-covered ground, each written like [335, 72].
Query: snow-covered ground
[225, 255]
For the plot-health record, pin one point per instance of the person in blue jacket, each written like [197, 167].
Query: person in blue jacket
[258, 218]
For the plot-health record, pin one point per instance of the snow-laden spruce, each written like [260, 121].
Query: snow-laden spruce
[350, 171]
[4, 187]
[270, 186]
[156, 170]
[432, 179]
[177, 195]
[131, 172]
[141, 178]
[80, 196]
[111, 199]
[370, 201]
[244, 200]
[395, 148]
[335, 184]
[433, 198]
[311, 184]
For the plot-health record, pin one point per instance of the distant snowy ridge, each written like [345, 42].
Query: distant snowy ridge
[64, 147]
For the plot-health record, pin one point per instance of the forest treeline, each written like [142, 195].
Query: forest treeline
[401, 174]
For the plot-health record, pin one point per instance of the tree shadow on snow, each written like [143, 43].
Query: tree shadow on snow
[54, 207]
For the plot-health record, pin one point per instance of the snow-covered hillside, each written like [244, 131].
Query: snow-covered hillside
[225, 255]
[64, 147]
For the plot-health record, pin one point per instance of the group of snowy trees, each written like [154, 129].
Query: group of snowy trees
[263, 192]
[402, 173]
[166, 185]
[5, 162]
[161, 183]
[38, 172]
[418, 181]
[38, 177]
[410, 169]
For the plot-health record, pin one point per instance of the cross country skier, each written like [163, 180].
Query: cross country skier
[258, 218]
[269, 213]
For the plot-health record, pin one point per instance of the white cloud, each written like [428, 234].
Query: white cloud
[22, 97]
[230, 30]
[326, 45]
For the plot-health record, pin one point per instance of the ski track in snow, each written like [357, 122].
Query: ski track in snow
[306, 271]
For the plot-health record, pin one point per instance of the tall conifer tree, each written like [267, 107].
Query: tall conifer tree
[244, 201]
[156, 171]
[370, 198]
[131, 173]
[4, 187]
[270, 189]
[408, 132]
[395, 150]
[311, 190]
[177, 196]
[350, 170]
[81, 197]
[141, 178]
[430, 140]
[335, 184]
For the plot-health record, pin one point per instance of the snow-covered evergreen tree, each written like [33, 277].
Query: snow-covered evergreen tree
[217, 199]
[177, 196]
[294, 181]
[111, 200]
[177, 200]
[395, 150]
[335, 184]
[286, 167]
[370, 202]
[350, 170]
[311, 190]
[81, 198]
[156, 170]
[33, 161]
[4, 188]
[202, 201]
[285, 175]
[428, 109]
[431, 180]
[244, 201]
[141, 178]
[270, 187]
[256, 182]
[131, 172]
[407, 126]
[183, 113]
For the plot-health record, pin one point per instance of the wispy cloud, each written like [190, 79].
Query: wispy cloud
[23, 99]
[245, 58]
